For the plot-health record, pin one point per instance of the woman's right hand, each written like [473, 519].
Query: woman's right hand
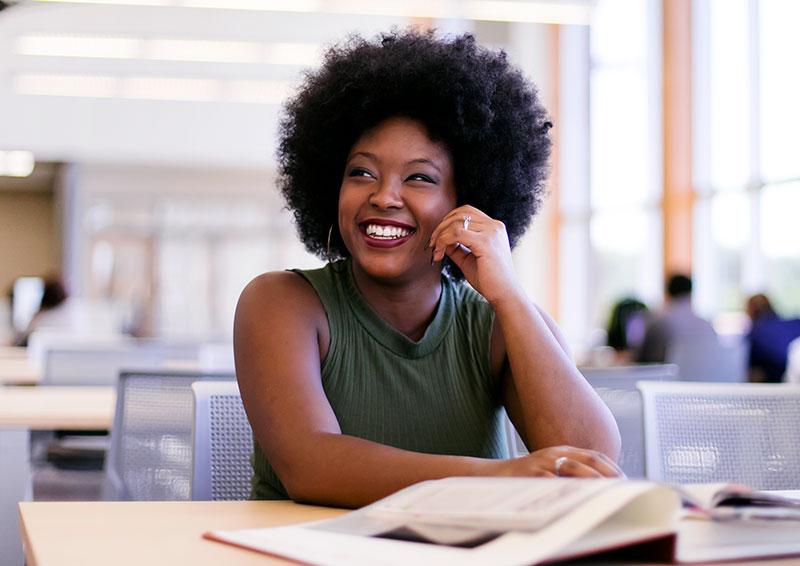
[561, 461]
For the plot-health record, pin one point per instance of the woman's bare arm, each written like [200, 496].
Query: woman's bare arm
[547, 399]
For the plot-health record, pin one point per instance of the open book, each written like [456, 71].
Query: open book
[515, 521]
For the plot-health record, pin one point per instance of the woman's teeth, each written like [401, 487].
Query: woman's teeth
[386, 232]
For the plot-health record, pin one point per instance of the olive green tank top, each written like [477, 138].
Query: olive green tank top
[434, 396]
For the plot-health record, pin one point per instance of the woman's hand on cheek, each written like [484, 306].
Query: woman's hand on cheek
[480, 248]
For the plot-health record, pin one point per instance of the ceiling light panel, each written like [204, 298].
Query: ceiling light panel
[16, 163]
[207, 51]
[576, 12]
[78, 46]
[258, 92]
[166, 88]
[267, 92]
[168, 49]
[88, 86]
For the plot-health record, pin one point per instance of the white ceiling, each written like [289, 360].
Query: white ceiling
[129, 102]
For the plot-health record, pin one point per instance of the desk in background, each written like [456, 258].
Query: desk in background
[23, 409]
[19, 371]
[49, 408]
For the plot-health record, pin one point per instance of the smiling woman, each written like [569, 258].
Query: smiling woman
[412, 163]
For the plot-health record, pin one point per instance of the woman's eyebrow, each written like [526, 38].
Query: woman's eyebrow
[373, 157]
[366, 154]
[425, 161]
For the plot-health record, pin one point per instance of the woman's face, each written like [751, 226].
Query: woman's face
[397, 187]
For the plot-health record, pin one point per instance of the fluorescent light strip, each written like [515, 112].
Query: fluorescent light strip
[84, 86]
[258, 92]
[207, 51]
[113, 2]
[159, 88]
[257, 5]
[539, 12]
[244, 52]
[574, 13]
[16, 163]
[154, 88]
[78, 46]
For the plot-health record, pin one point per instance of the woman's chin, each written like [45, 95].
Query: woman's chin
[390, 267]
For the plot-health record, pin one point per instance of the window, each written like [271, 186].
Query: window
[625, 180]
[747, 170]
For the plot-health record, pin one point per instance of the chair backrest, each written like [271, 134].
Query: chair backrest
[713, 432]
[223, 443]
[616, 386]
[626, 377]
[150, 458]
[710, 361]
[97, 366]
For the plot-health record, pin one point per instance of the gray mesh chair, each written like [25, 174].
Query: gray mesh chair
[151, 439]
[616, 386]
[710, 360]
[223, 443]
[713, 432]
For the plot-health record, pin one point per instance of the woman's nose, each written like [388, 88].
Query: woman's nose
[387, 194]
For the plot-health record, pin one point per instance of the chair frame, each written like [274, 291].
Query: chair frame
[202, 486]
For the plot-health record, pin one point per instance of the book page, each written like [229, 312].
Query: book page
[737, 502]
[706, 541]
[498, 504]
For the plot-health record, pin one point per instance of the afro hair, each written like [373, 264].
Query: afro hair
[468, 97]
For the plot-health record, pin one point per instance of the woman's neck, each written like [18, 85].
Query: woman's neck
[409, 307]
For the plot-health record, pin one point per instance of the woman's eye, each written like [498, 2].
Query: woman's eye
[421, 177]
[359, 172]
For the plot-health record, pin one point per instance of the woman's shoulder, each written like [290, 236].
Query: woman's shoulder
[278, 294]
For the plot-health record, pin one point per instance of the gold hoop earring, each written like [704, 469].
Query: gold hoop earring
[328, 248]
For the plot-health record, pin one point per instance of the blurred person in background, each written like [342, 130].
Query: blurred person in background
[54, 310]
[626, 328]
[676, 323]
[769, 339]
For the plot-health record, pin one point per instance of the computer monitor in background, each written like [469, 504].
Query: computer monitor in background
[27, 298]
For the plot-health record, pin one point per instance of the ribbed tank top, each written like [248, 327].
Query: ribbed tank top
[434, 396]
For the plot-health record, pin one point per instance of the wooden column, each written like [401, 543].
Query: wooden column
[677, 116]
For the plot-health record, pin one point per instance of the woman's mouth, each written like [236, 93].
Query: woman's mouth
[381, 234]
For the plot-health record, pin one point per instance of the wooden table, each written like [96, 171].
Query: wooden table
[16, 352]
[19, 371]
[150, 533]
[48, 408]
[164, 533]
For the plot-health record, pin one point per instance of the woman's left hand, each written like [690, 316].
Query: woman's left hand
[486, 260]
